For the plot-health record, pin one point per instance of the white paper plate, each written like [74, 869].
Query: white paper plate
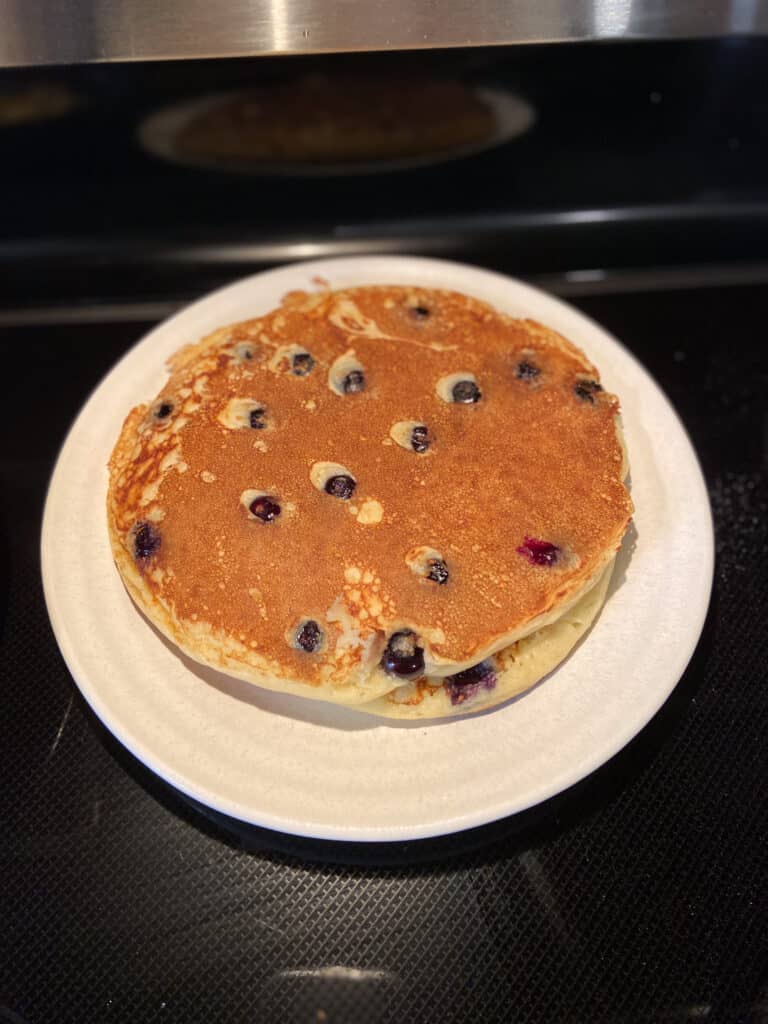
[158, 134]
[311, 769]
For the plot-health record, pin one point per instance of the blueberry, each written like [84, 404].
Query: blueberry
[527, 371]
[586, 390]
[256, 419]
[309, 636]
[403, 657]
[146, 540]
[466, 684]
[302, 364]
[340, 486]
[163, 411]
[265, 508]
[244, 351]
[539, 552]
[465, 392]
[419, 312]
[438, 571]
[420, 439]
[353, 382]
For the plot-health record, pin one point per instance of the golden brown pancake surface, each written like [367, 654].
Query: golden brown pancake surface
[512, 512]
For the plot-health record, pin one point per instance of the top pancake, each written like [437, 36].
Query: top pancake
[538, 456]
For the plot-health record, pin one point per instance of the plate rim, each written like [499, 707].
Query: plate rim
[697, 611]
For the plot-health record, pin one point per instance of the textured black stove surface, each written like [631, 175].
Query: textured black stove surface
[638, 896]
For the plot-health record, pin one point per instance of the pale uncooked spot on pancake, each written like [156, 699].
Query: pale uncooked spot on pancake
[179, 424]
[370, 513]
[526, 461]
[173, 460]
[149, 494]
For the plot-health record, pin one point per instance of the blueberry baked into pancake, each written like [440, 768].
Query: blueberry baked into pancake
[389, 497]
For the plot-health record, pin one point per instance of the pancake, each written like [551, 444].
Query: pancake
[386, 497]
[342, 119]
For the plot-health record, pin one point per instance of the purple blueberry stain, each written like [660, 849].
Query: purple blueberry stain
[420, 313]
[585, 390]
[256, 419]
[466, 392]
[437, 571]
[467, 684]
[539, 552]
[340, 486]
[526, 370]
[302, 364]
[420, 439]
[353, 382]
[163, 410]
[309, 636]
[265, 508]
[403, 657]
[146, 541]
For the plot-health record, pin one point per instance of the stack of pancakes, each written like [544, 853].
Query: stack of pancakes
[389, 497]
